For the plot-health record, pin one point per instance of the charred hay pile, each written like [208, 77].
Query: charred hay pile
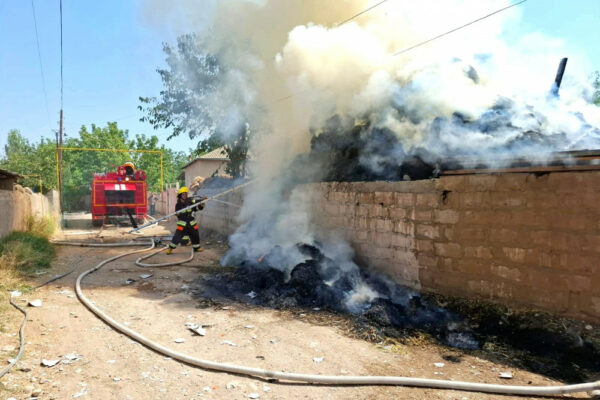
[365, 152]
[317, 283]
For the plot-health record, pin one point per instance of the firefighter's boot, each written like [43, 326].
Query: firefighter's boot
[169, 250]
[198, 249]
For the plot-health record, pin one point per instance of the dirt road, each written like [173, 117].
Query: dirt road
[98, 363]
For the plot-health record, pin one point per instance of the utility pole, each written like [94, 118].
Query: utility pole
[59, 145]
[60, 129]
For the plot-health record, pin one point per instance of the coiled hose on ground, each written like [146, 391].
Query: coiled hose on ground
[309, 378]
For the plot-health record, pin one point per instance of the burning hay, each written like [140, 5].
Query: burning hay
[318, 282]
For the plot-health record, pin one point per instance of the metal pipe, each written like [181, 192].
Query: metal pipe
[559, 76]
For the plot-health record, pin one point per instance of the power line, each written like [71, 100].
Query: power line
[61, 56]
[366, 10]
[458, 28]
[360, 13]
[37, 40]
[416, 45]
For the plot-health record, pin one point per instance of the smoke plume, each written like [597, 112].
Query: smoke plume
[469, 93]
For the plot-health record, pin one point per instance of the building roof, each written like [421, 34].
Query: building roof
[7, 174]
[215, 155]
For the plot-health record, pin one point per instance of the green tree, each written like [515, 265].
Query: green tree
[194, 82]
[26, 158]
[596, 84]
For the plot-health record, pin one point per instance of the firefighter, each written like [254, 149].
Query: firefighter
[186, 225]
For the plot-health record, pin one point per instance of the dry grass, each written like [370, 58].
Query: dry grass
[22, 254]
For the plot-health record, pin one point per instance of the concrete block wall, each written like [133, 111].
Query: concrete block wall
[518, 239]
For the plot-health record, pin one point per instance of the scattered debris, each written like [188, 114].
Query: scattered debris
[230, 386]
[197, 329]
[49, 363]
[116, 379]
[318, 359]
[252, 294]
[439, 365]
[35, 303]
[249, 326]
[145, 276]
[506, 375]
[72, 357]
[266, 389]
[206, 389]
[110, 361]
[15, 293]
[253, 396]
[185, 287]
[229, 342]
[129, 281]
[41, 272]
[179, 340]
[82, 392]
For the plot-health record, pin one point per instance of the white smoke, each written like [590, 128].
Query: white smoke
[293, 51]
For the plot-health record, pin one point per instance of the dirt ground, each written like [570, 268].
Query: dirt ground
[98, 363]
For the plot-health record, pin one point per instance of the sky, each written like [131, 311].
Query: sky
[111, 53]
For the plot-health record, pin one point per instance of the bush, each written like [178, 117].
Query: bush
[44, 226]
[25, 252]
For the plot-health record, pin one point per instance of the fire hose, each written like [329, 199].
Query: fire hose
[156, 221]
[311, 378]
[14, 361]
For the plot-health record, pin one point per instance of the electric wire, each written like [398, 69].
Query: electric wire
[457, 29]
[366, 10]
[37, 40]
[421, 43]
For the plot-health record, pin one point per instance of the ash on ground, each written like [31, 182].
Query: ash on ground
[316, 283]
[555, 347]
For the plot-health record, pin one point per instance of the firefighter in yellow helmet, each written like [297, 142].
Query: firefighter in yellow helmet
[186, 225]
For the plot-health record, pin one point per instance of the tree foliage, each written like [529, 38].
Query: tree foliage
[28, 158]
[196, 82]
[596, 84]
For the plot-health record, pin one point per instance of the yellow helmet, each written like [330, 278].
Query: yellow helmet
[182, 190]
[129, 164]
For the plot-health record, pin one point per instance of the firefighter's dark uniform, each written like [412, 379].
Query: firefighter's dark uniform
[186, 225]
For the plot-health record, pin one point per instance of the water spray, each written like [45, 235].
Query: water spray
[156, 221]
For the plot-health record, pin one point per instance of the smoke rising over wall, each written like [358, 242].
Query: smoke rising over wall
[469, 93]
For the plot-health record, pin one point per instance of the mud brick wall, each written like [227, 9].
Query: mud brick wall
[528, 240]
[19, 203]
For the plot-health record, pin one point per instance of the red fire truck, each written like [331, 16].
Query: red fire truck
[119, 195]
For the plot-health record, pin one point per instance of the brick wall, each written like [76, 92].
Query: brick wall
[528, 240]
[518, 239]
